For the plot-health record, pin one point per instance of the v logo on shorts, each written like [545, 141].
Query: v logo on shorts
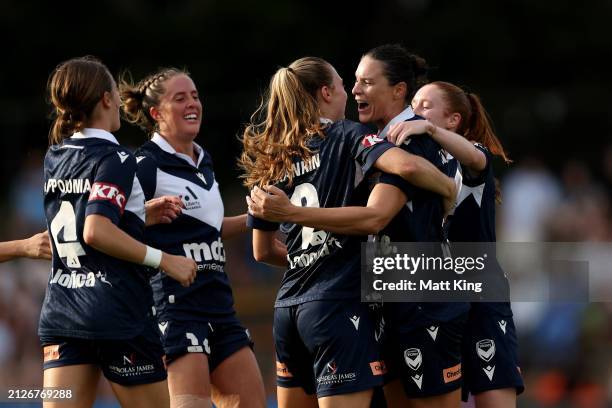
[485, 349]
[413, 358]
[355, 321]
[418, 380]
[502, 325]
[433, 332]
[489, 371]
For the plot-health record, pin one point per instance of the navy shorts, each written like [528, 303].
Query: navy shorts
[134, 361]
[427, 360]
[327, 347]
[217, 340]
[490, 351]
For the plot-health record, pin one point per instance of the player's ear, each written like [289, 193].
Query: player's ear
[107, 99]
[454, 119]
[155, 114]
[399, 90]
[326, 93]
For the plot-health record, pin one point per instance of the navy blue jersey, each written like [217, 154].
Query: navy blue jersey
[90, 294]
[322, 265]
[420, 220]
[474, 217]
[196, 233]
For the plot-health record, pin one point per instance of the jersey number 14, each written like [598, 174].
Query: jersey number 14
[69, 248]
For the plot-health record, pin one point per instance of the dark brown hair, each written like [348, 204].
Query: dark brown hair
[138, 98]
[399, 65]
[75, 87]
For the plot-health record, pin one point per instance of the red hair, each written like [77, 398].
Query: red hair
[475, 122]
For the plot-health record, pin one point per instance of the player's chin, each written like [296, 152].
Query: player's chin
[191, 128]
[365, 117]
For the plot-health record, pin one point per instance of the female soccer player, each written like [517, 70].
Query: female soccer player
[303, 146]
[426, 336]
[459, 123]
[205, 344]
[35, 247]
[97, 311]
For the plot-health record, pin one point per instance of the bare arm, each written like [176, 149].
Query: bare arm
[268, 249]
[100, 233]
[457, 145]
[233, 226]
[35, 247]
[163, 210]
[417, 171]
[384, 203]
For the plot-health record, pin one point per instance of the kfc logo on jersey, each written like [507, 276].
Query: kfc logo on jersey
[108, 192]
[371, 140]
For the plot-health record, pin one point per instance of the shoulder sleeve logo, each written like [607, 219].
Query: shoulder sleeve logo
[122, 156]
[108, 192]
[371, 140]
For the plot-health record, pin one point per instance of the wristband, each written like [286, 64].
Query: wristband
[152, 258]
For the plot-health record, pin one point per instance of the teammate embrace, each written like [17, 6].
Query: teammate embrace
[318, 326]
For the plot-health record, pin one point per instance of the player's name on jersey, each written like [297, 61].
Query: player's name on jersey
[309, 257]
[305, 166]
[77, 280]
[68, 186]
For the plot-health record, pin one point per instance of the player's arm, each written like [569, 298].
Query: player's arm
[102, 234]
[457, 145]
[234, 226]
[103, 214]
[417, 171]
[384, 203]
[35, 247]
[268, 249]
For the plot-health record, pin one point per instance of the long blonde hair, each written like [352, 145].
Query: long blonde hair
[291, 118]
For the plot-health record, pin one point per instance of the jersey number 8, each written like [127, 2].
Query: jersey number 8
[305, 195]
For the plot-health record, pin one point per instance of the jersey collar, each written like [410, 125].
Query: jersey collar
[97, 133]
[402, 117]
[163, 144]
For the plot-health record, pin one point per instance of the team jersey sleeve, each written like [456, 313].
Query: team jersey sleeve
[479, 178]
[416, 146]
[147, 175]
[258, 223]
[366, 147]
[112, 185]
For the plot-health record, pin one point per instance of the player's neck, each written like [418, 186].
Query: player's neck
[99, 124]
[181, 146]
